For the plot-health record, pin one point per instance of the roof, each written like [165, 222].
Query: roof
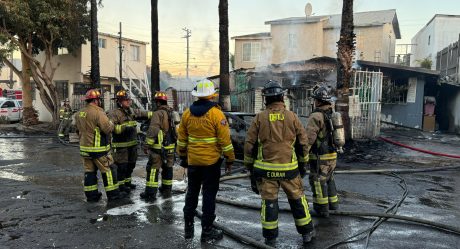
[360, 19]
[256, 35]
[123, 38]
[419, 70]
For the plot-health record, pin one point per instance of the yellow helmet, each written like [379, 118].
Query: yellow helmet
[122, 95]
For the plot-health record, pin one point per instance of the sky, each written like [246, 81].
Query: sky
[245, 17]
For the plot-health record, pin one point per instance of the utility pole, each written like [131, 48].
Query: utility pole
[120, 65]
[188, 33]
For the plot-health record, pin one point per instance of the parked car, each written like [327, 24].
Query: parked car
[10, 109]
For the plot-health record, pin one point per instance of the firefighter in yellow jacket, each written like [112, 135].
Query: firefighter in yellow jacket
[323, 155]
[160, 144]
[94, 129]
[124, 138]
[276, 153]
[204, 135]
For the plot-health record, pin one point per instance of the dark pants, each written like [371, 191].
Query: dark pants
[208, 176]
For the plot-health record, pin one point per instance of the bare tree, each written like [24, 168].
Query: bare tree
[224, 97]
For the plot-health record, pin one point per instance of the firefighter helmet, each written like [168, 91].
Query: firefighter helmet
[204, 88]
[160, 95]
[323, 93]
[92, 94]
[122, 95]
[272, 88]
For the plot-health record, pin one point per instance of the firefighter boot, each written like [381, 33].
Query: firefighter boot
[129, 172]
[210, 233]
[121, 175]
[270, 242]
[320, 199]
[306, 238]
[90, 186]
[189, 229]
[149, 195]
[151, 185]
[165, 191]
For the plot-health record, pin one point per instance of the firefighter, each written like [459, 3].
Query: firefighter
[204, 136]
[323, 155]
[124, 138]
[276, 152]
[65, 116]
[160, 145]
[94, 129]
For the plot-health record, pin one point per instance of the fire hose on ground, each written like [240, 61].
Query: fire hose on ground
[418, 149]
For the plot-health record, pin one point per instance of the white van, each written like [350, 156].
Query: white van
[11, 109]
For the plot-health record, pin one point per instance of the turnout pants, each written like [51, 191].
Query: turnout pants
[208, 177]
[323, 185]
[64, 128]
[109, 176]
[125, 159]
[154, 164]
[293, 188]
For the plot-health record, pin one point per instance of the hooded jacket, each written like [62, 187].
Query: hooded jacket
[204, 135]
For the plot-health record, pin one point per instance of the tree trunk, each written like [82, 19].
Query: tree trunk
[224, 88]
[30, 116]
[155, 69]
[344, 67]
[95, 71]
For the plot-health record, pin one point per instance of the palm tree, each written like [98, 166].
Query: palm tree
[155, 69]
[95, 73]
[224, 97]
[345, 57]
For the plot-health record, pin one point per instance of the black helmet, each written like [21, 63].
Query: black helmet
[323, 93]
[272, 88]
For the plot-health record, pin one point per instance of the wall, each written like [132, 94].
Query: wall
[408, 114]
[442, 32]
[265, 53]
[109, 58]
[369, 40]
[309, 42]
[455, 112]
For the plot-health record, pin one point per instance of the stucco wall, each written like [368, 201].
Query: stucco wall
[454, 106]
[408, 114]
[441, 32]
[109, 58]
[309, 42]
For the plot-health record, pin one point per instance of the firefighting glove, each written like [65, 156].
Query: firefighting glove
[183, 162]
[302, 170]
[253, 182]
[228, 167]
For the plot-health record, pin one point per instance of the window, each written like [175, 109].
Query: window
[292, 41]
[102, 43]
[251, 51]
[80, 88]
[8, 104]
[62, 51]
[62, 88]
[135, 52]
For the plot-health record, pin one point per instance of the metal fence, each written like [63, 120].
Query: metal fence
[365, 104]
[184, 100]
[300, 100]
[448, 63]
[243, 101]
[77, 102]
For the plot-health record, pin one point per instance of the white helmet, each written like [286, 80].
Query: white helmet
[204, 88]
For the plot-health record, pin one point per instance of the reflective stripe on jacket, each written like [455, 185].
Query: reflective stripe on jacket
[203, 139]
[275, 142]
[125, 131]
[318, 136]
[159, 126]
[93, 128]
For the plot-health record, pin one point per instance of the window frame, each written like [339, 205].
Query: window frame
[102, 43]
[252, 49]
[135, 54]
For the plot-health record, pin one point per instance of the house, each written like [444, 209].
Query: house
[405, 91]
[437, 34]
[304, 38]
[72, 77]
[448, 64]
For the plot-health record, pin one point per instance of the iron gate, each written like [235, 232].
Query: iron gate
[365, 104]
